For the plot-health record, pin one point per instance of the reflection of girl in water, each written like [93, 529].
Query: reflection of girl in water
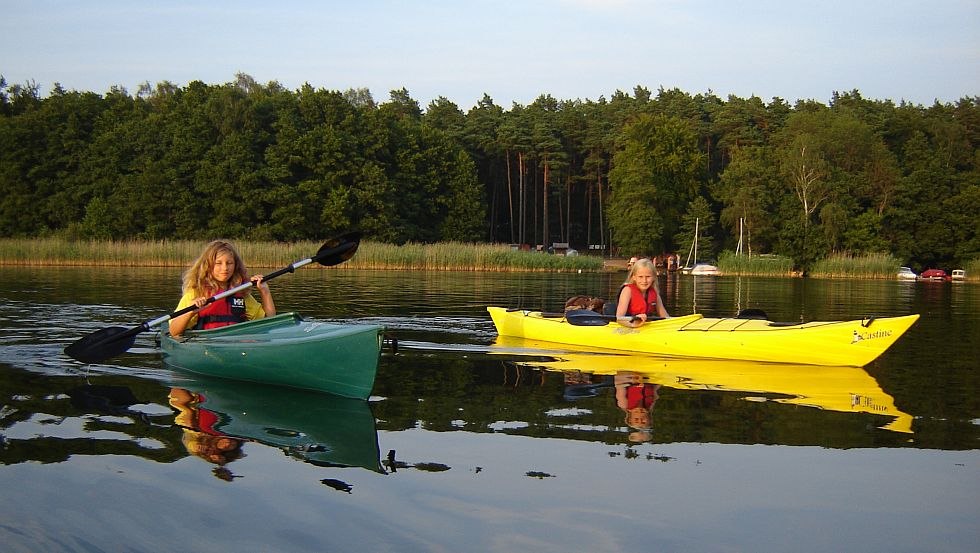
[200, 437]
[636, 398]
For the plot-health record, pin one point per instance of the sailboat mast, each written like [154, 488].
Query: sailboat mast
[694, 246]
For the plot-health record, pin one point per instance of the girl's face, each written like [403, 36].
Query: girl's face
[643, 278]
[638, 417]
[224, 267]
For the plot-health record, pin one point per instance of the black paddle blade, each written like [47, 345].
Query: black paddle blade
[103, 344]
[752, 313]
[338, 249]
[579, 391]
[587, 317]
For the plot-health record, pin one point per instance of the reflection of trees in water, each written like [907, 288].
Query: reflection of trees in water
[104, 407]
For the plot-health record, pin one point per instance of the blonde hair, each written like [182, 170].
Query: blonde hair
[198, 276]
[641, 262]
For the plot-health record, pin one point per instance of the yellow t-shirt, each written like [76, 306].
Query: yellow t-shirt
[253, 309]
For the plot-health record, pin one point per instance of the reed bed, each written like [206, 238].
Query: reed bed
[370, 255]
[972, 269]
[872, 265]
[459, 256]
[756, 265]
[449, 256]
[57, 251]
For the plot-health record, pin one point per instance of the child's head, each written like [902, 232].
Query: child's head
[642, 272]
[202, 275]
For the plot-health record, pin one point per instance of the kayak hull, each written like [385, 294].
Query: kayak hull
[283, 350]
[836, 343]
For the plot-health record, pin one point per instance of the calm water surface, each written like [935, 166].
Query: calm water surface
[474, 443]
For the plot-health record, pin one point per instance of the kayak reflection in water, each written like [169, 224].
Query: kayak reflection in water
[217, 269]
[200, 437]
[636, 397]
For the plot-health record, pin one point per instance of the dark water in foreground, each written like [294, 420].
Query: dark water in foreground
[471, 443]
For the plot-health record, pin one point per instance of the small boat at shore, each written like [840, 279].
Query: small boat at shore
[906, 273]
[935, 275]
[852, 343]
[284, 350]
[704, 269]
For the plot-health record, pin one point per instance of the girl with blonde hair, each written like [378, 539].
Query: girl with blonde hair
[639, 297]
[220, 268]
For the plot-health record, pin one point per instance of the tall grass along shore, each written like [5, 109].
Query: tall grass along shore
[756, 265]
[872, 265]
[370, 255]
[447, 256]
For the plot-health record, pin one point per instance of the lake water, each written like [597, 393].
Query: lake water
[473, 443]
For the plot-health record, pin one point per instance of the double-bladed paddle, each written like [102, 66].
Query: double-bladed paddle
[111, 341]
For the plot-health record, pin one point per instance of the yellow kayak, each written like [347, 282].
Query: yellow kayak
[835, 343]
[841, 389]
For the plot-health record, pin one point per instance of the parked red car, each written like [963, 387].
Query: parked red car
[934, 274]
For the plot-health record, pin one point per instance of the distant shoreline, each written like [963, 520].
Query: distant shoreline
[447, 256]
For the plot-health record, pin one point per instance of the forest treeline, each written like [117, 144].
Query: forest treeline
[633, 173]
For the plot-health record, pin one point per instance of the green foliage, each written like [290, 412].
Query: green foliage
[697, 218]
[749, 190]
[972, 269]
[654, 176]
[257, 161]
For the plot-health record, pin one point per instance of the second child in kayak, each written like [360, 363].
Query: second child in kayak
[220, 268]
[639, 297]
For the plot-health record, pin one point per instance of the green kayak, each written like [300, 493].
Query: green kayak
[284, 350]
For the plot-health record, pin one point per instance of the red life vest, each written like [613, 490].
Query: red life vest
[640, 302]
[223, 312]
[204, 420]
[641, 395]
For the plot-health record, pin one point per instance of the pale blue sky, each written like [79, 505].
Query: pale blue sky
[513, 50]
